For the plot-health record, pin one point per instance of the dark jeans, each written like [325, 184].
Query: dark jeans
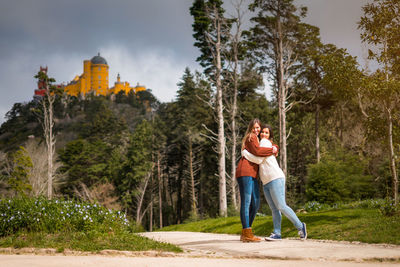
[249, 199]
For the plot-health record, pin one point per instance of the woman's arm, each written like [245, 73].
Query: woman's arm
[253, 146]
[250, 157]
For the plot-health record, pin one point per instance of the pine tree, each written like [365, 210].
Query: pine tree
[211, 29]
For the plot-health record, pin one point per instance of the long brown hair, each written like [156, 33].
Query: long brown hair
[249, 131]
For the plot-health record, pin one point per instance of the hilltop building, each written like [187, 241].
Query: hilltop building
[40, 92]
[41, 89]
[125, 87]
[93, 80]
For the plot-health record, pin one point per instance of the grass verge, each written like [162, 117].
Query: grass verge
[359, 224]
[70, 224]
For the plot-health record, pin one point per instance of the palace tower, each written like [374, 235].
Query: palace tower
[94, 80]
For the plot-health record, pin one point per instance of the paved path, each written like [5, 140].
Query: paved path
[203, 249]
[224, 245]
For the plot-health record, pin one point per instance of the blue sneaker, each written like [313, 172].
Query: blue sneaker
[273, 237]
[303, 232]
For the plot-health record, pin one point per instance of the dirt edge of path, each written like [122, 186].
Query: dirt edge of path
[151, 253]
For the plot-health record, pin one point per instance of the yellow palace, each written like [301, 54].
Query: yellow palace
[94, 80]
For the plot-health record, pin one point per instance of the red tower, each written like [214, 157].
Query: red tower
[41, 90]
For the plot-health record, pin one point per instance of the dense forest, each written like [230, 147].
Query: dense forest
[337, 123]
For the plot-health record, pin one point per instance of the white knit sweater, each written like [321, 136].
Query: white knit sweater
[269, 169]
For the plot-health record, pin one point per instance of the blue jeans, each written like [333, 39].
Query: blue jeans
[274, 193]
[249, 199]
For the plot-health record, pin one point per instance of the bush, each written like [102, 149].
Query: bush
[366, 204]
[389, 208]
[316, 206]
[40, 214]
[338, 178]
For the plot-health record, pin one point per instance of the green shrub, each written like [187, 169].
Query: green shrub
[40, 214]
[389, 207]
[315, 206]
[338, 178]
[366, 203]
[193, 217]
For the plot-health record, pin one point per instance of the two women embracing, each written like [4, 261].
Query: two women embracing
[259, 160]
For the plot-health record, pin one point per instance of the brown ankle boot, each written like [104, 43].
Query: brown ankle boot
[255, 238]
[247, 236]
[242, 236]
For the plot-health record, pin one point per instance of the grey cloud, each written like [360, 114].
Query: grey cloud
[77, 25]
[61, 34]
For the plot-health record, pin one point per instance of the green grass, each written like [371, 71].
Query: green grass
[360, 224]
[69, 224]
[92, 241]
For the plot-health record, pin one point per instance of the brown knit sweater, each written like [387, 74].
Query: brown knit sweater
[247, 168]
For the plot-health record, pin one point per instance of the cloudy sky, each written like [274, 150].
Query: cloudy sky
[147, 41]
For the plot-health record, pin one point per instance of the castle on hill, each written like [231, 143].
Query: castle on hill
[94, 80]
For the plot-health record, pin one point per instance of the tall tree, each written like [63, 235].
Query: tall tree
[234, 58]
[21, 165]
[309, 77]
[210, 31]
[136, 170]
[275, 37]
[46, 117]
[330, 76]
[192, 113]
[380, 28]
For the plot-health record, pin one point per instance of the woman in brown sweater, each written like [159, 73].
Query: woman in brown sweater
[246, 174]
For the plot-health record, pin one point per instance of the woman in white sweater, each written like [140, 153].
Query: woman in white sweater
[273, 180]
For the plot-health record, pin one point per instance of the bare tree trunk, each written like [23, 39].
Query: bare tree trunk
[140, 199]
[233, 163]
[160, 186]
[223, 207]
[317, 150]
[201, 198]
[215, 44]
[48, 124]
[191, 171]
[179, 204]
[395, 182]
[282, 94]
[392, 157]
[50, 153]
[151, 203]
[236, 41]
